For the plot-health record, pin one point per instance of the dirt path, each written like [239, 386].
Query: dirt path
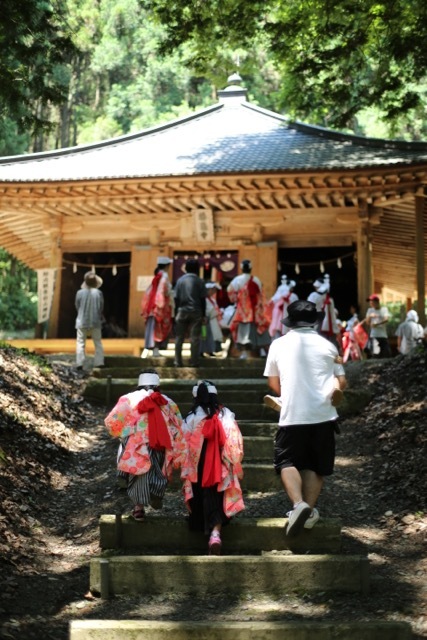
[46, 580]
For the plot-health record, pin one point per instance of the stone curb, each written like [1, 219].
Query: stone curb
[301, 630]
[158, 534]
[123, 575]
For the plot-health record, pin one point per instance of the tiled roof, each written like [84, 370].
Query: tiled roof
[230, 137]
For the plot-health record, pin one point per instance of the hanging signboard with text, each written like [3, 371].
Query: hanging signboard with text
[45, 289]
[203, 224]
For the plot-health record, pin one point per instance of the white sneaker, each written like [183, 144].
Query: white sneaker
[156, 352]
[244, 355]
[312, 519]
[273, 402]
[297, 518]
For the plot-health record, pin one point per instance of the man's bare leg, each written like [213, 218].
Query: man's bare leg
[312, 485]
[292, 483]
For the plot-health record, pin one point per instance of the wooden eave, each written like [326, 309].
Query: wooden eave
[293, 209]
[235, 193]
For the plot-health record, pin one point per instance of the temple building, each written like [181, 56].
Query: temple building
[228, 182]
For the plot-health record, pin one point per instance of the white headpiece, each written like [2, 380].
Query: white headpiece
[323, 287]
[163, 260]
[211, 388]
[148, 380]
[412, 315]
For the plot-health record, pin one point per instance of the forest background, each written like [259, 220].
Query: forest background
[74, 72]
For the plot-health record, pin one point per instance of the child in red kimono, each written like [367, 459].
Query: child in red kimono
[148, 424]
[212, 467]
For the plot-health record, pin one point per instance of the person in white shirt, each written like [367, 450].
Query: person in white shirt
[409, 333]
[376, 319]
[301, 368]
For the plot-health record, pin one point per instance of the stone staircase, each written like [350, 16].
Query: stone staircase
[162, 556]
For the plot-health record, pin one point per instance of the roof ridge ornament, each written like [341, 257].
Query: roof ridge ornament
[234, 93]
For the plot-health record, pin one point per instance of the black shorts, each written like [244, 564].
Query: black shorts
[306, 446]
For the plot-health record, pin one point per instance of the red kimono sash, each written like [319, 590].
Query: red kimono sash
[158, 434]
[327, 304]
[152, 296]
[253, 291]
[214, 434]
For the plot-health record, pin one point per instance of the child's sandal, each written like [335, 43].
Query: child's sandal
[215, 544]
[138, 514]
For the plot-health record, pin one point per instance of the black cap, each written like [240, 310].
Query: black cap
[301, 313]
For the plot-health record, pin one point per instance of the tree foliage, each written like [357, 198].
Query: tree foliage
[18, 294]
[335, 58]
[35, 49]
[78, 71]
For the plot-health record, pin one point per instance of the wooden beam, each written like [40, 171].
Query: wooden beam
[420, 215]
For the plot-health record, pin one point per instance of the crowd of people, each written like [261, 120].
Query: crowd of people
[190, 310]
[305, 345]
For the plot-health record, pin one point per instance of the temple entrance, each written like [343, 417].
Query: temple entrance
[338, 262]
[114, 270]
[214, 266]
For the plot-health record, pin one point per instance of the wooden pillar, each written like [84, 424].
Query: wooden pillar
[420, 208]
[365, 276]
[55, 263]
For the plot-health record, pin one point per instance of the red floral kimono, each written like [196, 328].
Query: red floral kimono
[126, 421]
[231, 455]
[158, 302]
[250, 307]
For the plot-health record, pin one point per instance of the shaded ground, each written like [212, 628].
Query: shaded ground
[57, 477]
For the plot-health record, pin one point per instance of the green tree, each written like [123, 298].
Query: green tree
[18, 294]
[35, 48]
[335, 58]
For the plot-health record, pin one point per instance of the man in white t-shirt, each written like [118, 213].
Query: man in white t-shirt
[301, 368]
[376, 319]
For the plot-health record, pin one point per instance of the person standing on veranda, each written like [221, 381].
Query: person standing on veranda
[157, 308]
[190, 312]
[89, 304]
[376, 319]
[410, 333]
[249, 326]
[283, 297]
[301, 368]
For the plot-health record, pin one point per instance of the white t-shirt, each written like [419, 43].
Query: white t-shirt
[375, 316]
[304, 362]
[409, 332]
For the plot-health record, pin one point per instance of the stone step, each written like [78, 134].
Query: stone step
[258, 449]
[268, 574]
[258, 429]
[253, 630]
[107, 391]
[133, 362]
[260, 477]
[257, 476]
[159, 534]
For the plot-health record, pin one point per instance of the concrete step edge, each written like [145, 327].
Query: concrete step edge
[243, 535]
[253, 630]
[121, 575]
